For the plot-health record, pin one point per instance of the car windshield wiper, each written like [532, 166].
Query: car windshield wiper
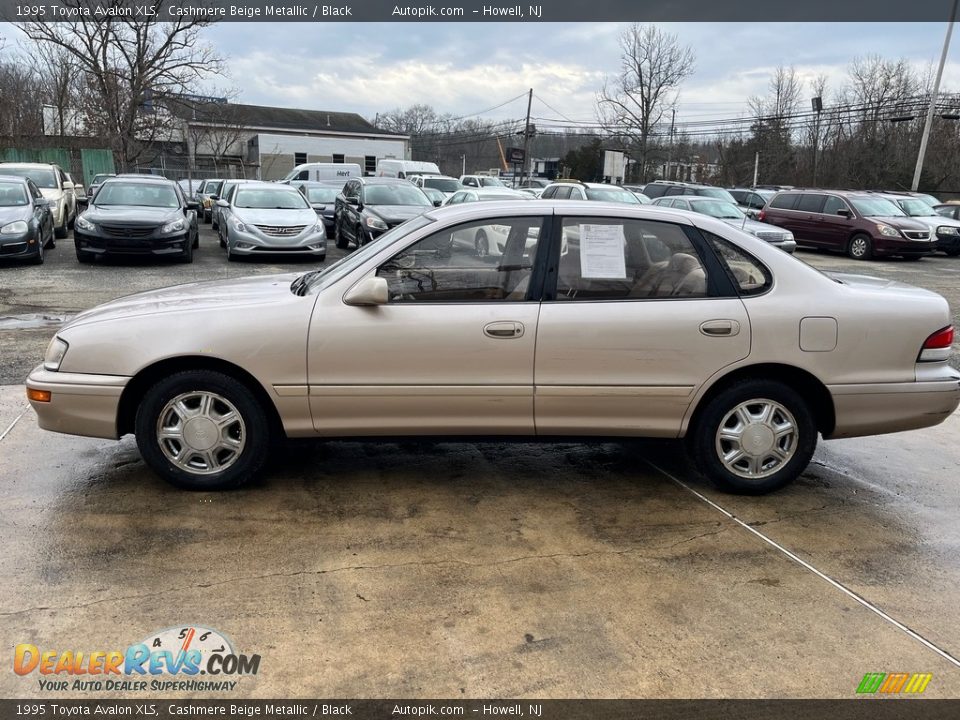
[299, 285]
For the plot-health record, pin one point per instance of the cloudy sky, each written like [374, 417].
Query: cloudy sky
[462, 68]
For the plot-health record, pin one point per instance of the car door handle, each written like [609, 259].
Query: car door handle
[503, 330]
[720, 328]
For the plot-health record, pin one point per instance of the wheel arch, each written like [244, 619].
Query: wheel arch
[808, 385]
[148, 376]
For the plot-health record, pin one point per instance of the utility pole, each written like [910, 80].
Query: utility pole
[526, 137]
[817, 104]
[673, 119]
[756, 167]
[463, 165]
[934, 95]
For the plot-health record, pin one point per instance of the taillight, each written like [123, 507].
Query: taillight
[763, 215]
[937, 346]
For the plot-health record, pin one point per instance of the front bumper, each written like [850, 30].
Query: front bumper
[249, 243]
[19, 246]
[788, 246]
[947, 243]
[880, 408]
[883, 245]
[97, 244]
[80, 404]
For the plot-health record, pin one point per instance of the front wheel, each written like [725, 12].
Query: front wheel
[339, 240]
[203, 430]
[860, 247]
[61, 232]
[754, 437]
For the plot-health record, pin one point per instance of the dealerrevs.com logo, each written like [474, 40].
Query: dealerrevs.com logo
[189, 658]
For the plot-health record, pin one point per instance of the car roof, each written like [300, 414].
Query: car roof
[28, 164]
[382, 181]
[142, 176]
[315, 183]
[12, 178]
[698, 198]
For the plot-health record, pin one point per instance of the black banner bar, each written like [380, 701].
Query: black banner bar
[855, 709]
[855, 11]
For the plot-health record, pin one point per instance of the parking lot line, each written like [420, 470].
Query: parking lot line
[11, 425]
[803, 563]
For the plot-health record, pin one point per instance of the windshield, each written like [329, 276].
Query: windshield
[134, 193]
[612, 195]
[43, 177]
[917, 208]
[401, 194]
[443, 184]
[12, 195]
[321, 194]
[212, 188]
[717, 209]
[269, 199]
[718, 193]
[323, 278]
[876, 207]
[928, 199]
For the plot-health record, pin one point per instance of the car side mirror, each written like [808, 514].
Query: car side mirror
[437, 203]
[222, 203]
[193, 205]
[367, 292]
[844, 212]
[67, 185]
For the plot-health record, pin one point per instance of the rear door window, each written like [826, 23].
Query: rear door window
[811, 202]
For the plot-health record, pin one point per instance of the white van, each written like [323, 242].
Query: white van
[324, 172]
[402, 168]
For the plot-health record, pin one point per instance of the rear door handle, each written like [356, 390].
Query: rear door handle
[720, 328]
[503, 330]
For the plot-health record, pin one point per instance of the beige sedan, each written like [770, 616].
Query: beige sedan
[613, 321]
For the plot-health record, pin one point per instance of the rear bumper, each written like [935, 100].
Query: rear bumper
[80, 404]
[881, 408]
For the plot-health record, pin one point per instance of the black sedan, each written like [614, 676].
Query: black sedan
[368, 207]
[26, 221]
[134, 216]
[323, 199]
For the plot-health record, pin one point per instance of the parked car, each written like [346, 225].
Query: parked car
[532, 183]
[55, 185]
[945, 230]
[26, 220]
[690, 330]
[323, 199]
[860, 224]
[392, 168]
[948, 210]
[925, 197]
[435, 196]
[751, 200]
[79, 194]
[368, 207]
[658, 188]
[486, 194]
[97, 181]
[208, 193]
[270, 219]
[576, 190]
[477, 181]
[444, 183]
[733, 216]
[138, 216]
[225, 191]
[662, 188]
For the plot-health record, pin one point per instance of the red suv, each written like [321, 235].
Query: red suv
[860, 224]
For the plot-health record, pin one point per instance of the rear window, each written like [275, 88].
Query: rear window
[654, 191]
[784, 201]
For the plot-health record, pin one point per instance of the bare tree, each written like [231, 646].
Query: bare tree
[653, 66]
[773, 133]
[58, 84]
[128, 65]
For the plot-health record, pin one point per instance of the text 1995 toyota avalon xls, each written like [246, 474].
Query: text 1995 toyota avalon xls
[645, 323]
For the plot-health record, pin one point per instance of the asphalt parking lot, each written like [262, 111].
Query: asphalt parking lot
[478, 569]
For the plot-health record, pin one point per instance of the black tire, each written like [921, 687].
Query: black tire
[207, 219]
[220, 238]
[231, 256]
[60, 232]
[253, 429]
[860, 247]
[187, 256]
[38, 258]
[339, 240]
[481, 244]
[196, 240]
[706, 445]
[359, 236]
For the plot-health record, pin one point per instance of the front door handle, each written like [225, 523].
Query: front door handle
[720, 328]
[503, 330]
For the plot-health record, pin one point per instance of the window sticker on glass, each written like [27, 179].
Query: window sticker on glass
[602, 252]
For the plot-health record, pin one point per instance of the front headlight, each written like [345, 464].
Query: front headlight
[948, 230]
[888, 231]
[237, 225]
[788, 236]
[84, 224]
[319, 227]
[376, 223]
[54, 354]
[14, 228]
[175, 226]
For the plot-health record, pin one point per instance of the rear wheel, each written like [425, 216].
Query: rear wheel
[481, 244]
[359, 237]
[203, 430]
[754, 437]
[860, 247]
[339, 240]
[187, 256]
[60, 232]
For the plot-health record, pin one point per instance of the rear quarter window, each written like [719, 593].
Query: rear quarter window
[749, 276]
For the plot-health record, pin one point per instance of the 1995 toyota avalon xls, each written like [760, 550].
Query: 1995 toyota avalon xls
[592, 319]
